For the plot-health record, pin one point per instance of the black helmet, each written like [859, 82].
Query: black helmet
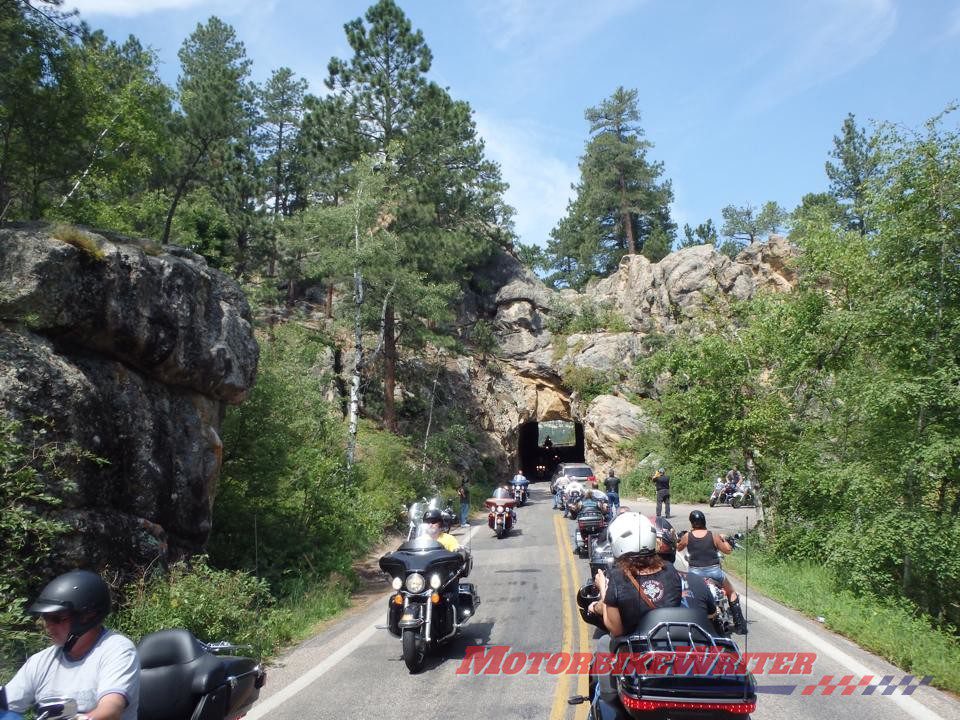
[432, 515]
[83, 593]
[698, 519]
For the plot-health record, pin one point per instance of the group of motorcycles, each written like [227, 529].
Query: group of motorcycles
[636, 695]
[736, 494]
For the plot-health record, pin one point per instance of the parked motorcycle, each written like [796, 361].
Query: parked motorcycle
[501, 516]
[722, 492]
[181, 678]
[730, 692]
[430, 603]
[744, 495]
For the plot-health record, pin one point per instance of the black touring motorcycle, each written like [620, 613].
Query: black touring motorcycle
[181, 678]
[430, 604]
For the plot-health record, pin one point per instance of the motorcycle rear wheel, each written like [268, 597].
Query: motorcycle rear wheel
[414, 650]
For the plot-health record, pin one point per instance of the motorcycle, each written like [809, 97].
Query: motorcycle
[744, 495]
[722, 492]
[723, 621]
[723, 689]
[520, 490]
[541, 471]
[571, 499]
[429, 604]
[591, 523]
[181, 678]
[502, 516]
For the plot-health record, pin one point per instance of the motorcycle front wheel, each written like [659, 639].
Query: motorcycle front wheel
[414, 650]
[713, 501]
[736, 502]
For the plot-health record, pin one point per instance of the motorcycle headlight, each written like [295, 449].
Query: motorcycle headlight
[434, 581]
[499, 508]
[397, 583]
[415, 583]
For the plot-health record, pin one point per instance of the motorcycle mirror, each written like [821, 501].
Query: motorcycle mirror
[55, 708]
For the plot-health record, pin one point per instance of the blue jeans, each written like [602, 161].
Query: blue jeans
[614, 502]
[714, 572]
[464, 512]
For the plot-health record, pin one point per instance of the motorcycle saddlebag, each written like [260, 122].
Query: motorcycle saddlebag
[591, 522]
[467, 601]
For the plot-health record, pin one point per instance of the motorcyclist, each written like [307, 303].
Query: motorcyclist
[502, 492]
[87, 662]
[591, 500]
[433, 528]
[703, 546]
[519, 477]
[733, 478]
[696, 594]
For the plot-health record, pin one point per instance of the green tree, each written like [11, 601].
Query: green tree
[213, 96]
[704, 234]
[857, 164]
[449, 208]
[746, 224]
[621, 204]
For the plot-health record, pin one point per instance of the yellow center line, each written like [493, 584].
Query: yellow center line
[561, 694]
[583, 681]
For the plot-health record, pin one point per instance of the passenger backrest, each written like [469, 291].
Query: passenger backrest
[175, 672]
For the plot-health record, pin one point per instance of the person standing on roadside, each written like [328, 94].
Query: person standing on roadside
[611, 485]
[463, 492]
[661, 482]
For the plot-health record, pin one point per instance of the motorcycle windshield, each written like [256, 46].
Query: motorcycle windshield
[421, 555]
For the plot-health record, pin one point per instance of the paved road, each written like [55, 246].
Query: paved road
[526, 583]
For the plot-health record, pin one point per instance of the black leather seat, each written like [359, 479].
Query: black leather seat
[175, 672]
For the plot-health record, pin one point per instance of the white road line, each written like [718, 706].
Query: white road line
[274, 701]
[912, 707]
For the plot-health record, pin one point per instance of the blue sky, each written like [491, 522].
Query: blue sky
[741, 98]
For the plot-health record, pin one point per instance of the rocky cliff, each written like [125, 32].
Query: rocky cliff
[525, 382]
[132, 351]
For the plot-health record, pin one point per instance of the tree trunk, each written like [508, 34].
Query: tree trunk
[389, 370]
[357, 367]
[626, 219]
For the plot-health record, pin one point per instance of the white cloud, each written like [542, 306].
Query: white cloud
[539, 182]
[824, 40]
[128, 8]
[547, 24]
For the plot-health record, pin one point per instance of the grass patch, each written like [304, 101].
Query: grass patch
[890, 629]
[79, 239]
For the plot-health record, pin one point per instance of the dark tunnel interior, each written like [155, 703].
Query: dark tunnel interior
[542, 446]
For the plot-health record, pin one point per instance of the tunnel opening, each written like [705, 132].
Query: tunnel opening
[541, 446]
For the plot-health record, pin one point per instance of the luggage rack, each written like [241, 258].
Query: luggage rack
[687, 637]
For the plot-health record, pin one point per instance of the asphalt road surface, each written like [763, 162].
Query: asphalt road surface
[527, 583]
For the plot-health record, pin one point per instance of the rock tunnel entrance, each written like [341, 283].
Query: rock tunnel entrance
[541, 446]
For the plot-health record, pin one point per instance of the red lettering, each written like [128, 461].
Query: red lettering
[637, 664]
[761, 659]
[660, 663]
[557, 663]
[602, 663]
[803, 664]
[622, 659]
[536, 658]
[781, 663]
[485, 660]
[514, 663]
[580, 664]
[727, 665]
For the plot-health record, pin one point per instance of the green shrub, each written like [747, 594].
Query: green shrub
[587, 382]
[212, 604]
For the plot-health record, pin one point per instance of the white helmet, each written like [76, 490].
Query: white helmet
[633, 534]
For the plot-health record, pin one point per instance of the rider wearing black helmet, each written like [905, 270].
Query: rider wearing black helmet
[96, 666]
[703, 546]
[432, 524]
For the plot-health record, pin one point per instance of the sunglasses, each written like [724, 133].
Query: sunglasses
[56, 619]
[433, 522]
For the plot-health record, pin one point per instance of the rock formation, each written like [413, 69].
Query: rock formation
[132, 351]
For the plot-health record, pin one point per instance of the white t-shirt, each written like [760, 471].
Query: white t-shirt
[110, 666]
